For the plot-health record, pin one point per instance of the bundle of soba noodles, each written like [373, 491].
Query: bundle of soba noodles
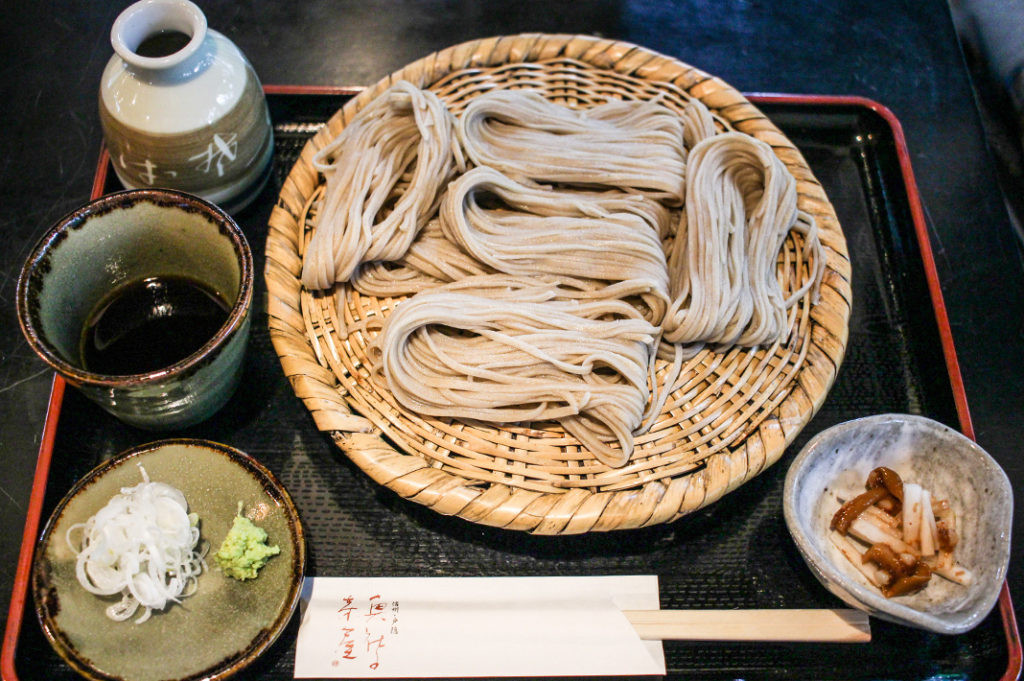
[519, 350]
[535, 231]
[633, 146]
[432, 260]
[384, 176]
[522, 215]
[698, 124]
[740, 206]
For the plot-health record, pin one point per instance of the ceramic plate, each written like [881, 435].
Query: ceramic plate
[836, 462]
[215, 632]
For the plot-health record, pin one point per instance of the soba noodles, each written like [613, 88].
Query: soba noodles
[698, 123]
[607, 237]
[632, 146]
[740, 207]
[384, 174]
[540, 285]
[432, 260]
[539, 355]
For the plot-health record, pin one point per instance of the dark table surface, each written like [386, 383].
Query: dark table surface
[903, 54]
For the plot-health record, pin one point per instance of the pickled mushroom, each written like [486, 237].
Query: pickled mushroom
[908, 535]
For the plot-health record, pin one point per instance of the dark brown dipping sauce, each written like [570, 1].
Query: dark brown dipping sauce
[162, 44]
[150, 324]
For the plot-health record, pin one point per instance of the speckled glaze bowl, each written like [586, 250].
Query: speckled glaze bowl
[218, 630]
[836, 463]
[112, 242]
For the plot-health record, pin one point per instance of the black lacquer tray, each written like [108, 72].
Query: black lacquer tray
[734, 554]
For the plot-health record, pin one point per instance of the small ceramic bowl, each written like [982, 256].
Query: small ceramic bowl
[123, 240]
[218, 630]
[835, 464]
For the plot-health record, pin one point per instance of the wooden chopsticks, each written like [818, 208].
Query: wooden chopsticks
[819, 626]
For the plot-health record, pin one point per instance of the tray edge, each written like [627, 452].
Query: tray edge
[33, 515]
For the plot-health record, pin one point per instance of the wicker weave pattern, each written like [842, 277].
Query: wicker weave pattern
[733, 416]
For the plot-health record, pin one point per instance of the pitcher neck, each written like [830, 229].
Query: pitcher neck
[146, 19]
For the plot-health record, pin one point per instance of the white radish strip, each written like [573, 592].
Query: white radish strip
[871, 534]
[929, 534]
[850, 552]
[882, 519]
[912, 513]
[957, 574]
[879, 517]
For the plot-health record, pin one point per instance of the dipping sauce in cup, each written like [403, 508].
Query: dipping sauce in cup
[149, 324]
[141, 300]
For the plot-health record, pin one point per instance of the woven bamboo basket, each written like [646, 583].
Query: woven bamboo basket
[731, 416]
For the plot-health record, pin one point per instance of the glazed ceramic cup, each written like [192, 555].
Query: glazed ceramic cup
[119, 240]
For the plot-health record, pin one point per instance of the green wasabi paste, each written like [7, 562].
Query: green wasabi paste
[245, 550]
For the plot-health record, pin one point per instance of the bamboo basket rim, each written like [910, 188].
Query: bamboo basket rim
[503, 477]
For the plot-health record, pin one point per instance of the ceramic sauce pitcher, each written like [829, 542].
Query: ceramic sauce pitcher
[182, 108]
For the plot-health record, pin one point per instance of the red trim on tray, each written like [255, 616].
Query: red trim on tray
[1013, 667]
[99, 181]
[1013, 643]
[920, 229]
[23, 576]
[312, 89]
